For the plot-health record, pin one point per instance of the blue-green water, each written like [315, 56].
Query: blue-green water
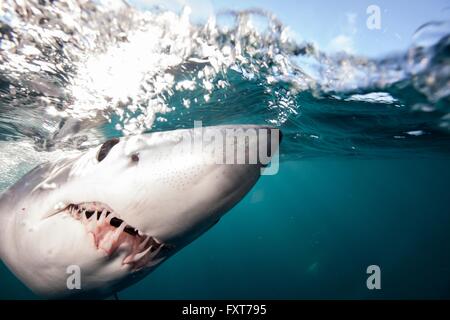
[364, 178]
[310, 232]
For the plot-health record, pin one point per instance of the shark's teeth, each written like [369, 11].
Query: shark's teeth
[139, 256]
[108, 218]
[119, 231]
[102, 217]
[92, 224]
[143, 243]
[83, 217]
[142, 253]
[112, 234]
[147, 259]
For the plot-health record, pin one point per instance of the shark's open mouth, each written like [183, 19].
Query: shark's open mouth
[112, 234]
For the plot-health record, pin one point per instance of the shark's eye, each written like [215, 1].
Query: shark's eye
[106, 147]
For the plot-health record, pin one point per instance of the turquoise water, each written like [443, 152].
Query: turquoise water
[364, 177]
[310, 232]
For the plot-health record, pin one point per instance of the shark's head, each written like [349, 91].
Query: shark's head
[104, 219]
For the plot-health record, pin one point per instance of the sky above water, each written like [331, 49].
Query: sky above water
[332, 25]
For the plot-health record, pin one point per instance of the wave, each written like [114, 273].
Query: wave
[73, 72]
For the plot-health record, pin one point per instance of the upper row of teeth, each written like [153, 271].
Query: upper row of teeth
[103, 214]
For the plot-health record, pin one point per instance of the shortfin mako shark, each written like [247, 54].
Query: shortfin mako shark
[118, 210]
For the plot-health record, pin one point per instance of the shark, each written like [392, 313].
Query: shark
[118, 210]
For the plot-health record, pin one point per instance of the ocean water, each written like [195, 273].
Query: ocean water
[364, 176]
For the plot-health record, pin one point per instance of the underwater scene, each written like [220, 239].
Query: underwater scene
[358, 207]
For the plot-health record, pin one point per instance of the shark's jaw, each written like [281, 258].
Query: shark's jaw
[109, 233]
[116, 212]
